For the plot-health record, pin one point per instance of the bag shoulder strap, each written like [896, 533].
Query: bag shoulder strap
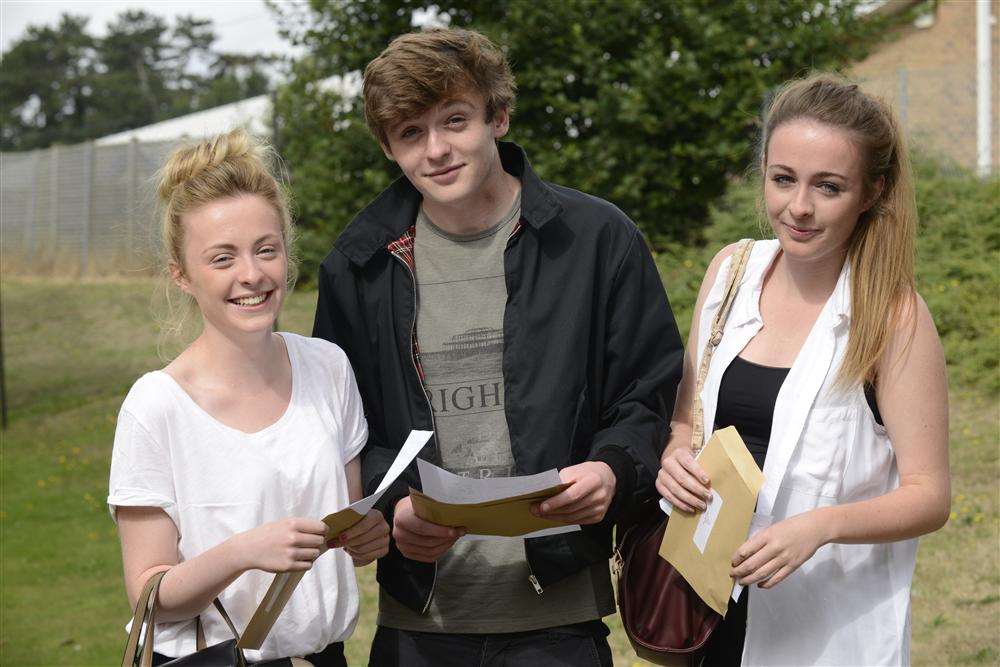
[142, 616]
[145, 615]
[737, 266]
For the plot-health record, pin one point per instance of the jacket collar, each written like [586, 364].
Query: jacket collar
[392, 213]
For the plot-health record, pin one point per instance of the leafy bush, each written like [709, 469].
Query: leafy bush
[650, 105]
[958, 263]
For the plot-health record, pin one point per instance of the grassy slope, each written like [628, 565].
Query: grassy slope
[72, 351]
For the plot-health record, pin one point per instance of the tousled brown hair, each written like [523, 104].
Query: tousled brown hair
[421, 69]
[882, 247]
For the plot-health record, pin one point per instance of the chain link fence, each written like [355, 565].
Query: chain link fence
[83, 209]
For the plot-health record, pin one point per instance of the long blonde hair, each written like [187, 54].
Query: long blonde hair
[882, 247]
[226, 165]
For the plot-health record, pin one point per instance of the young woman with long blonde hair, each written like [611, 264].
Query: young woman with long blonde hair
[832, 371]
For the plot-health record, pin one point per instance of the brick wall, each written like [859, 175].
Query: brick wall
[929, 74]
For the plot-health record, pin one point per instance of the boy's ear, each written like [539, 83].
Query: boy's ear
[500, 122]
[386, 150]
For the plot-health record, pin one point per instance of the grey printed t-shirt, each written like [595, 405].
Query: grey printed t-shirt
[481, 586]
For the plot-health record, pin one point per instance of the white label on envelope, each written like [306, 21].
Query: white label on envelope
[707, 521]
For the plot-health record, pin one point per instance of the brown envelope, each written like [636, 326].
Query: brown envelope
[282, 586]
[507, 517]
[701, 545]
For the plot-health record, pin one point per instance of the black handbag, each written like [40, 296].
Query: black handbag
[223, 654]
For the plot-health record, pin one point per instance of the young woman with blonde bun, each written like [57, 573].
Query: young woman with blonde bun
[225, 460]
[831, 369]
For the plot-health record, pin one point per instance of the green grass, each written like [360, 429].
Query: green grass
[73, 349]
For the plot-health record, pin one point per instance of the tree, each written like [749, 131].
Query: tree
[62, 85]
[46, 79]
[651, 105]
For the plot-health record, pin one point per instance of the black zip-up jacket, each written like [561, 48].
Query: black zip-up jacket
[591, 360]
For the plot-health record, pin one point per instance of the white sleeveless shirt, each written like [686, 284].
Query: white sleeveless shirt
[848, 604]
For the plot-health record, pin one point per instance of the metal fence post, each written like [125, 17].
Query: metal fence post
[130, 194]
[31, 218]
[54, 197]
[85, 205]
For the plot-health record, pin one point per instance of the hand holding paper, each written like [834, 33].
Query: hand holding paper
[366, 540]
[499, 506]
[587, 498]
[284, 584]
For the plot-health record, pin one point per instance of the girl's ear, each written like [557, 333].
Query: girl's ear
[876, 192]
[177, 275]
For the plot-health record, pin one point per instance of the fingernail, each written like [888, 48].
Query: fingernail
[545, 507]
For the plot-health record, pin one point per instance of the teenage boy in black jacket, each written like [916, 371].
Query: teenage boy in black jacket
[526, 325]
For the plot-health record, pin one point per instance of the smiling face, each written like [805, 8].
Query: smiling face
[449, 152]
[814, 188]
[235, 263]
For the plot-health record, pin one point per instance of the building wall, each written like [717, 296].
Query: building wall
[929, 74]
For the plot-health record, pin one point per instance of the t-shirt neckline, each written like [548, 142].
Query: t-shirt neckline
[275, 425]
[507, 218]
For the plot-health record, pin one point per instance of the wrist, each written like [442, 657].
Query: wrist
[236, 555]
[828, 523]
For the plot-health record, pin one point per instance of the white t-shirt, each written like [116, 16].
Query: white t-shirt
[215, 481]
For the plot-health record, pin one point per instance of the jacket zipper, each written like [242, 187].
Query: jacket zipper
[430, 408]
[532, 579]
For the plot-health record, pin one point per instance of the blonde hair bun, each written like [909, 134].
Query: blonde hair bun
[185, 164]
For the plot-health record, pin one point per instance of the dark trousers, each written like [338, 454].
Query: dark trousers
[579, 645]
[725, 645]
[331, 656]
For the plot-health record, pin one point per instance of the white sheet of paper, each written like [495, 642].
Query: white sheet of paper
[707, 521]
[414, 443]
[447, 487]
[666, 506]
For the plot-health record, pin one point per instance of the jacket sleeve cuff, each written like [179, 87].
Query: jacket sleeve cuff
[623, 467]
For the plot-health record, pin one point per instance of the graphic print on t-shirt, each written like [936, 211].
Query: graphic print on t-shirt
[466, 395]
[462, 297]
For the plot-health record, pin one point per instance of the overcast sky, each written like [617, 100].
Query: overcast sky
[241, 26]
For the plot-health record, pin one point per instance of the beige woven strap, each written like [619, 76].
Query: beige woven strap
[145, 614]
[737, 265]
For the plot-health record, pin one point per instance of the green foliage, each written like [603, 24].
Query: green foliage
[958, 270]
[650, 105]
[63, 85]
[958, 263]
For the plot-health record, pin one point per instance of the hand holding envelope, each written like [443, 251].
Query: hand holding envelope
[700, 545]
[284, 584]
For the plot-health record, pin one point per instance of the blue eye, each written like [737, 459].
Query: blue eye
[829, 188]
[222, 259]
[782, 179]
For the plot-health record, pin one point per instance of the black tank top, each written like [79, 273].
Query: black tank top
[747, 395]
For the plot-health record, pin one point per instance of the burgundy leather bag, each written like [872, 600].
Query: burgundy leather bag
[665, 619]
